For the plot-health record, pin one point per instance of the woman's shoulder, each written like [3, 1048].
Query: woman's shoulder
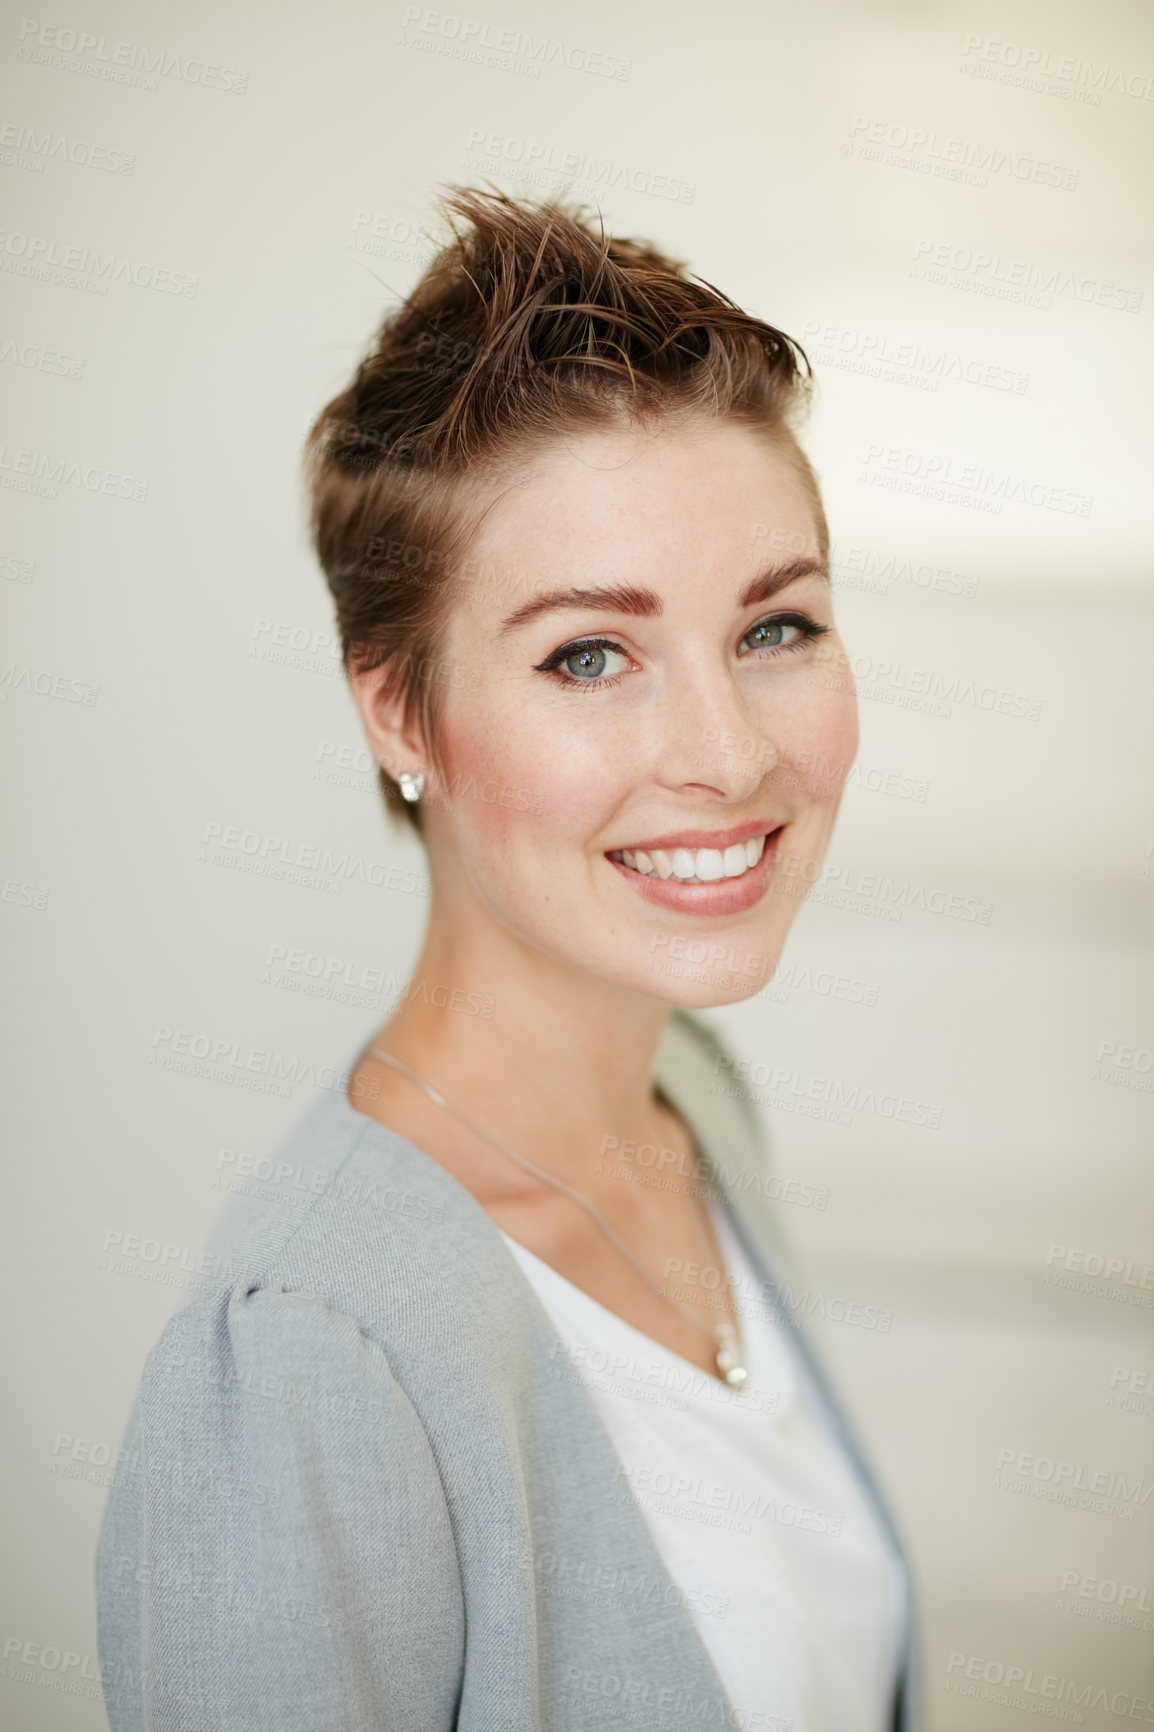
[343, 1233]
[336, 1176]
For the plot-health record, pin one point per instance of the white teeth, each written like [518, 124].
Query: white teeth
[697, 865]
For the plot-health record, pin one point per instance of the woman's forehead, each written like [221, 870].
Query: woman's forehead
[613, 508]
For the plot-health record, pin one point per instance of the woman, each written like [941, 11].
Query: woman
[500, 1417]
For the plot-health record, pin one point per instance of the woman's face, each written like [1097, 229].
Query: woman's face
[646, 746]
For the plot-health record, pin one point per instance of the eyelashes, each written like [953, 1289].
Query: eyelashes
[807, 628]
[554, 664]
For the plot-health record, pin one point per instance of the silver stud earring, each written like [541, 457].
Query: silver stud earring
[412, 784]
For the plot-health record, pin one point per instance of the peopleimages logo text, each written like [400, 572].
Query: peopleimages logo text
[975, 478]
[1069, 69]
[41, 251]
[1019, 276]
[127, 56]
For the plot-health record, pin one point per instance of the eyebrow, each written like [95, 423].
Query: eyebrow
[646, 604]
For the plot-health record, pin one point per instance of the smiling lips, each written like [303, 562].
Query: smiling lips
[701, 872]
[694, 865]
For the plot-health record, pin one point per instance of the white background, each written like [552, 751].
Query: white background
[820, 157]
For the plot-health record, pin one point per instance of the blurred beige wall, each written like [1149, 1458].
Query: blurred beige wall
[207, 209]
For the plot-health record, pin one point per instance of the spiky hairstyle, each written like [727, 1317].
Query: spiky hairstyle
[532, 322]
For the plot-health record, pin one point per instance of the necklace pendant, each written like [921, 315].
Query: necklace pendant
[730, 1361]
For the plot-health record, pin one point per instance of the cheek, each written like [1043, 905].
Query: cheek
[838, 724]
[502, 757]
[818, 741]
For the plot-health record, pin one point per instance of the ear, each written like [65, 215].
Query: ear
[396, 744]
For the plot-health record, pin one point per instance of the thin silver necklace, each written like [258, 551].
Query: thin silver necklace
[730, 1359]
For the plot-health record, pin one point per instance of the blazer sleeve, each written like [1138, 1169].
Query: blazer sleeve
[276, 1551]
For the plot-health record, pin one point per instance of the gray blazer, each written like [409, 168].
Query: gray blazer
[360, 1489]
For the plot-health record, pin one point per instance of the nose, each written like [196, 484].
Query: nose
[712, 742]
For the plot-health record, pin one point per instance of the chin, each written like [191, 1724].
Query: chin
[709, 993]
[700, 972]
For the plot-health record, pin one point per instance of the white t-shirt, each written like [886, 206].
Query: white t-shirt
[753, 1505]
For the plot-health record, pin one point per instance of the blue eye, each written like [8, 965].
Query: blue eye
[770, 634]
[586, 663]
[783, 631]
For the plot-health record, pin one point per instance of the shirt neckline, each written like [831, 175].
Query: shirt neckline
[647, 1344]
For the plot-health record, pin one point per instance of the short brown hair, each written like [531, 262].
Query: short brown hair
[530, 323]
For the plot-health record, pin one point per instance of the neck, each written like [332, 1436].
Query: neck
[565, 1057]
